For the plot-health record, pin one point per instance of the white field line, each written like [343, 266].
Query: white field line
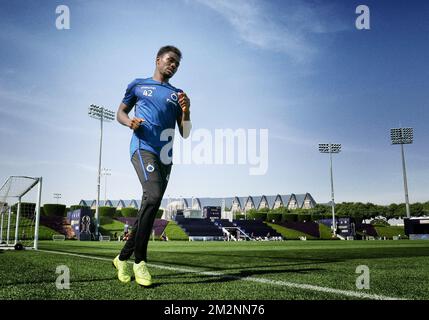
[349, 293]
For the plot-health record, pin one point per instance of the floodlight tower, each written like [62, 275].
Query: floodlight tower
[57, 196]
[104, 115]
[331, 148]
[403, 136]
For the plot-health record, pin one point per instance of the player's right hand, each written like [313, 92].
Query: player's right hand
[135, 123]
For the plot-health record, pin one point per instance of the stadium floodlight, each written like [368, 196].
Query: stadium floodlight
[57, 196]
[403, 136]
[104, 115]
[105, 172]
[331, 148]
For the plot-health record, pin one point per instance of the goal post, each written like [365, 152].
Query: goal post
[20, 200]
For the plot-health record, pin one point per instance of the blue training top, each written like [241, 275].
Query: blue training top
[157, 103]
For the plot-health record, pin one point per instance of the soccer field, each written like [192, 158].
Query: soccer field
[224, 270]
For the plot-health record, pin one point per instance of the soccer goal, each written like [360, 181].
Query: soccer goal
[20, 199]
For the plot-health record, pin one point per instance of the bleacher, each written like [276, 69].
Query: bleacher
[195, 227]
[256, 228]
[159, 226]
[224, 223]
[310, 228]
[366, 229]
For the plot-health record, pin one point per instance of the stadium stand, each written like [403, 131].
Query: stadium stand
[366, 229]
[256, 228]
[199, 227]
[224, 223]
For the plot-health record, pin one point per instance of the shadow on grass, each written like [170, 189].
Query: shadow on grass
[223, 278]
[247, 260]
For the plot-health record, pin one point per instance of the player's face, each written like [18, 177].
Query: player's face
[168, 64]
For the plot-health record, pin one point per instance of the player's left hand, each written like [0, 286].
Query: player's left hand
[184, 102]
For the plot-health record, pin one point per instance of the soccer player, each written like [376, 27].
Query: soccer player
[158, 106]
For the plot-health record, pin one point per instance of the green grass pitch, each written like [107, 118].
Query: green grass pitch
[224, 270]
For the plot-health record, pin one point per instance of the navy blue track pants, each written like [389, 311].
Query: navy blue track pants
[153, 176]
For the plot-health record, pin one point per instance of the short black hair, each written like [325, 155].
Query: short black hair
[166, 49]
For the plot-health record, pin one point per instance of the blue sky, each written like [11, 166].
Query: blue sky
[298, 68]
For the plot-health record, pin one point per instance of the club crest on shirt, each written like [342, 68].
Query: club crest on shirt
[173, 98]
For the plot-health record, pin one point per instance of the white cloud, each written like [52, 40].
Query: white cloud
[289, 139]
[283, 29]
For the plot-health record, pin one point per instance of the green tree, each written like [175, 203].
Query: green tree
[391, 211]
[281, 210]
[417, 209]
[426, 208]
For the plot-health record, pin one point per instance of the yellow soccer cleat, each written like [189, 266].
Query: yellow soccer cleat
[122, 267]
[142, 274]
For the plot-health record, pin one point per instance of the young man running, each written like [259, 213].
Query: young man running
[158, 106]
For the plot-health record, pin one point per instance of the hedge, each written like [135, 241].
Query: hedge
[304, 217]
[54, 210]
[289, 217]
[129, 212]
[257, 215]
[106, 212]
[75, 207]
[315, 217]
[277, 217]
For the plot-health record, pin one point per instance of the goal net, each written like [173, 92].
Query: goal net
[20, 212]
